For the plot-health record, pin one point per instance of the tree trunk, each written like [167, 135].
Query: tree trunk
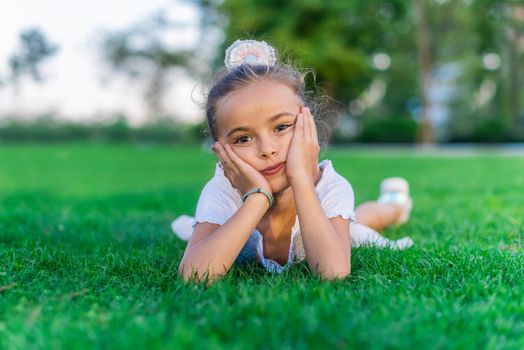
[155, 93]
[514, 73]
[425, 134]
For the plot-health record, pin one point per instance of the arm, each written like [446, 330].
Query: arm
[326, 241]
[212, 249]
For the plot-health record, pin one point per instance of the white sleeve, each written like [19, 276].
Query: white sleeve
[218, 202]
[337, 198]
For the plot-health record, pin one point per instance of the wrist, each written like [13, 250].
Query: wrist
[302, 181]
[303, 177]
[260, 192]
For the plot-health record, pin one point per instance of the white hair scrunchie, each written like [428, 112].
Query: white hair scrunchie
[250, 52]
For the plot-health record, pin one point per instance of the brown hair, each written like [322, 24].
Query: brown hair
[245, 74]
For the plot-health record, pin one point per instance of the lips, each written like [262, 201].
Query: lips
[273, 169]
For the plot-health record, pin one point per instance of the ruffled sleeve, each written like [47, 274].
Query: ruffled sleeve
[335, 194]
[218, 200]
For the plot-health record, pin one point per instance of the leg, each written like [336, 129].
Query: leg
[361, 236]
[392, 208]
[378, 216]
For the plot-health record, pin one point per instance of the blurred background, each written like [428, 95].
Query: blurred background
[419, 71]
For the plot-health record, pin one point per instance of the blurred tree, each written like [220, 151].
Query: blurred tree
[143, 52]
[515, 37]
[339, 39]
[499, 31]
[425, 69]
[347, 43]
[33, 50]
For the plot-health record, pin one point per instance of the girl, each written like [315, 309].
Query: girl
[270, 199]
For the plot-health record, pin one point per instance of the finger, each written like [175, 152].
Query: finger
[307, 123]
[224, 158]
[314, 133]
[299, 125]
[234, 158]
[215, 151]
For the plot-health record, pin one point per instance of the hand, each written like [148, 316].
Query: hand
[302, 157]
[243, 176]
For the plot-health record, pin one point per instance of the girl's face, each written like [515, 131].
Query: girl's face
[258, 122]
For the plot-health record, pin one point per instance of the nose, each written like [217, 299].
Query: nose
[267, 147]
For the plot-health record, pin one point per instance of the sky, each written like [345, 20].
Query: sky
[77, 84]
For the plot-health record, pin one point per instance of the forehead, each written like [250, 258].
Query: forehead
[253, 103]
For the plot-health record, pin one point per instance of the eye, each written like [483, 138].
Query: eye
[283, 127]
[241, 140]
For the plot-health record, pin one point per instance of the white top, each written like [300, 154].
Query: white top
[219, 201]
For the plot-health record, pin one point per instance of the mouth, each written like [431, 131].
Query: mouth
[273, 169]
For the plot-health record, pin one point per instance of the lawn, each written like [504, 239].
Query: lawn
[87, 259]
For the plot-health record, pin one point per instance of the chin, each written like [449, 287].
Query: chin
[279, 185]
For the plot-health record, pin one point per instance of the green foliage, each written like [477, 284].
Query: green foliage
[401, 130]
[34, 49]
[87, 259]
[143, 43]
[370, 129]
[339, 38]
[488, 130]
[47, 130]
[336, 38]
[142, 52]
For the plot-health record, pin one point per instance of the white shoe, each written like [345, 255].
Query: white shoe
[183, 227]
[395, 190]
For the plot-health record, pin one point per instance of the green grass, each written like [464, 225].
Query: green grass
[84, 234]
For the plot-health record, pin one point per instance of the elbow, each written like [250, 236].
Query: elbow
[336, 275]
[191, 273]
[186, 273]
[333, 274]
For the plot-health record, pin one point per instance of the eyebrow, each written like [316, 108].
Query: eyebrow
[272, 119]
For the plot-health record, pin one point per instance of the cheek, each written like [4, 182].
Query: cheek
[285, 142]
[247, 154]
